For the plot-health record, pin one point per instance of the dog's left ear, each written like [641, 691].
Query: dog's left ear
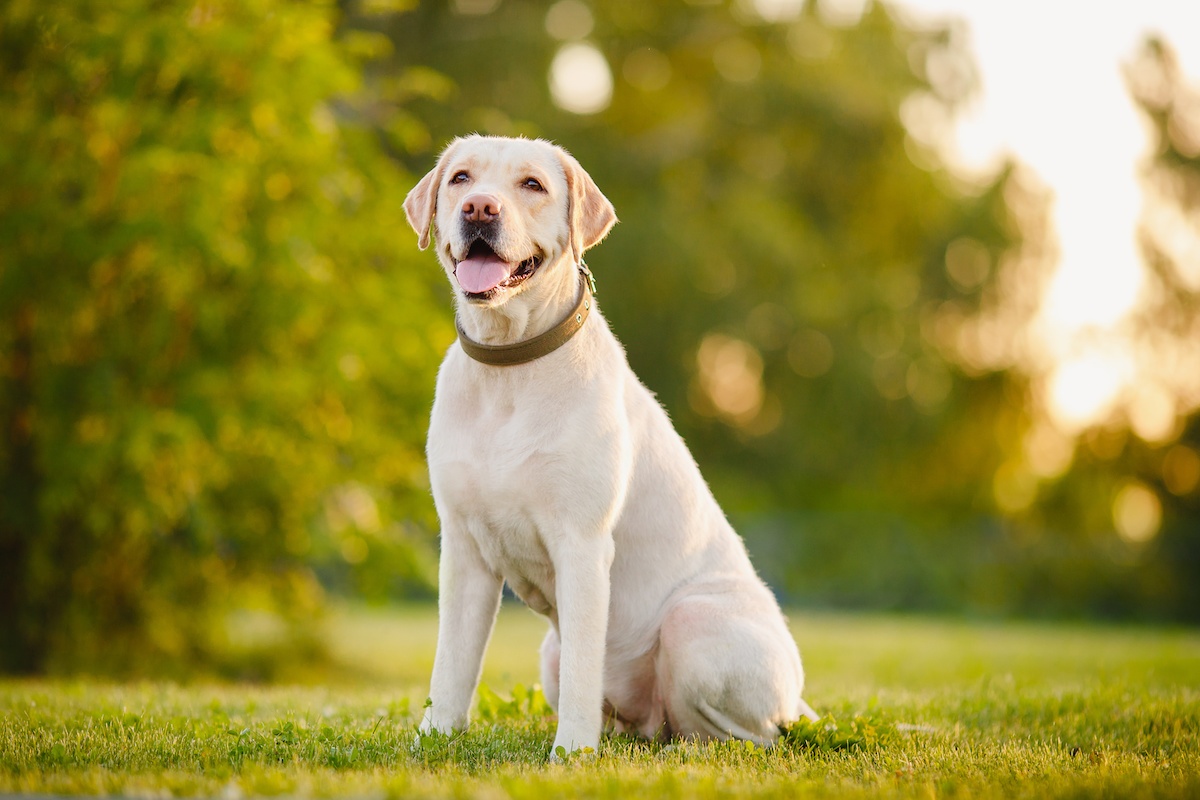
[421, 203]
[589, 213]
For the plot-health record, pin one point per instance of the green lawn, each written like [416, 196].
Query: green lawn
[924, 708]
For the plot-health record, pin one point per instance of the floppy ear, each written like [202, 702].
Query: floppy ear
[589, 213]
[421, 202]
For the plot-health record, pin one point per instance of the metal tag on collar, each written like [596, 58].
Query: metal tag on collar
[587, 273]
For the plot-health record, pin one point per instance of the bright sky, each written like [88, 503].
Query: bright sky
[1054, 96]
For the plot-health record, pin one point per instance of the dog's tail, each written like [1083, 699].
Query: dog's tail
[806, 711]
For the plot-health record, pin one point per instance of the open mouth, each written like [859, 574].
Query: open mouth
[482, 272]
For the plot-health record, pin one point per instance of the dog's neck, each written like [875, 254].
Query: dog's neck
[537, 309]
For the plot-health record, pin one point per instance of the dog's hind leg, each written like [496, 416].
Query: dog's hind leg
[728, 674]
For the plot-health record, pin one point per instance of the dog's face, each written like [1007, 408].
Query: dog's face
[504, 212]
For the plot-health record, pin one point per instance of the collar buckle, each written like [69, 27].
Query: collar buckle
[588, 276]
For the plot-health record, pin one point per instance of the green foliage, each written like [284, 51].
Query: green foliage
[924, 708]
[524, 703]
[215, 346]
[826, 735]
[520, 729]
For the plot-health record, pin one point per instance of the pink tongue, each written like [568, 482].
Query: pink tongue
[478, 274]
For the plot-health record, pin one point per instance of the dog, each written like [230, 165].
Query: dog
[555, 470]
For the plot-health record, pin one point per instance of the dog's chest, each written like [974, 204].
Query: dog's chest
[500, 469]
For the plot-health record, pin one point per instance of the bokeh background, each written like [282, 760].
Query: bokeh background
[218, 340]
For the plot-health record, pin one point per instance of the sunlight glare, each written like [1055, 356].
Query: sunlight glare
[580, 80]
[1084, 389]
[776, 10]
[1072, 121]
[730, 374]
[1152, 412]
[1137, 513]
[569, 20]
[842, 13]
[1179, 236]
[1048, 451]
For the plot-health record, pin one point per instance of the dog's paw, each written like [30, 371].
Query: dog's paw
[421, 737]
[429, 734]
[559, 754]
[433, 744]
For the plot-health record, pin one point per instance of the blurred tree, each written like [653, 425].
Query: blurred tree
[1170, 324]
[1156, 477]
[1107, 520]
[793, 265]
[216, 351]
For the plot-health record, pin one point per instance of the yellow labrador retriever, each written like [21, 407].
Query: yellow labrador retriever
[554, 469]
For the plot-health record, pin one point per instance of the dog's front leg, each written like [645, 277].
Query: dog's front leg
[582, 581]
[468, 599]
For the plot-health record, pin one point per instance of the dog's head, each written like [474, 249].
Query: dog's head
[505, 214]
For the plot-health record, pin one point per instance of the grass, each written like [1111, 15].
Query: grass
[917, 708]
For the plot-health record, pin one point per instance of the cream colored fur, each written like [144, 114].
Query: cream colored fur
[564, 477]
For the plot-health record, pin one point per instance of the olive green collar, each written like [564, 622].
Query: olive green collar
[508, 355]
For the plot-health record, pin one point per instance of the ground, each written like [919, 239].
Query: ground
[916, 708]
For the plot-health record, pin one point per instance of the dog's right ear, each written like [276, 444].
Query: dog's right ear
[421, 203]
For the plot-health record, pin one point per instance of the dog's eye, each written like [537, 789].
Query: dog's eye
[535, 184]
[459, 176]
